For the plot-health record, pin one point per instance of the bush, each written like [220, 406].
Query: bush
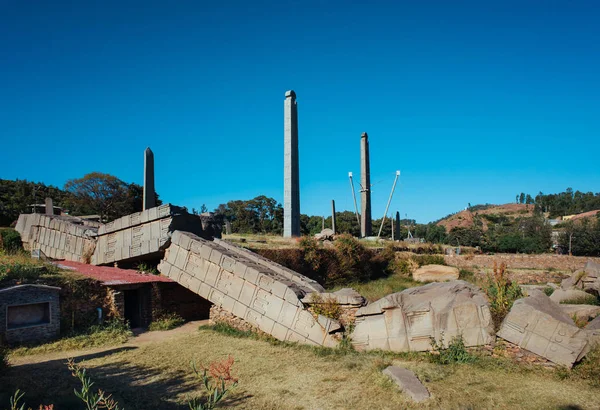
[548, 290]
[310, 248]
[502, 293]
[456, 352]
[327, 307]
[10, 241]
[166, 321]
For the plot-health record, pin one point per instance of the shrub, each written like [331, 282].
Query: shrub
[327, 307]
[548, 290]
[166, 321]
[456, 352]
[10, 240]
[310, 249]
[582, 300]
[93, 401]
[502, 293]
[146, 268]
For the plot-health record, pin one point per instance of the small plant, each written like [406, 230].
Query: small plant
[217, 381]
[146, 268]
[502, 292]
[466, 275]
[548, 290]
[93, 401]
[456, 352]
[166, 321]
[327, 307]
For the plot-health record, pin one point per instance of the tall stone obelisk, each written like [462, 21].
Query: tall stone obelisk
[149, 200]
[291, 177]
[365, 187]
[333, 215]
[397, 227]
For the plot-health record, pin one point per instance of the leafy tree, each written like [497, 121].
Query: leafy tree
[104, 195]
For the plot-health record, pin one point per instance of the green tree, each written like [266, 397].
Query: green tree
[104, 195]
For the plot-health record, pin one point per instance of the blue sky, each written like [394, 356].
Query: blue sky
[472, 101]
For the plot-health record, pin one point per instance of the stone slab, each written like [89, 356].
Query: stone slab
[538, 324]
[408, 383]
[435, 273]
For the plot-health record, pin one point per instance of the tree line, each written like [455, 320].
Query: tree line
[563, 203]
[94, 194]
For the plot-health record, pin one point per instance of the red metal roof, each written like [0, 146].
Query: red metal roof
[112, 276]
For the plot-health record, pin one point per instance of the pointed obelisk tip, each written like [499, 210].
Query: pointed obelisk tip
[290, 93]
[148, 150]
[364, 135]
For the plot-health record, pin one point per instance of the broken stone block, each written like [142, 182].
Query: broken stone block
[408, 320]
[581, 312]
[325, 234]
[538, 324]
[408, 383]
[594, 324]
[255, 290]
[346, 296]
[435, 273]
[586, 279]
[566, 295]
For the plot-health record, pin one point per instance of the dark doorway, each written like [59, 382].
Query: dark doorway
[133, 308]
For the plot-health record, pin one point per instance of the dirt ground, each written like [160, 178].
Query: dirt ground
[153, 371]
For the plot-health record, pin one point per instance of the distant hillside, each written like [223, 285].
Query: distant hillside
[489, 213]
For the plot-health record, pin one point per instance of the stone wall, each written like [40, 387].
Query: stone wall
[545, 261]
[28, 295]
[220, 315]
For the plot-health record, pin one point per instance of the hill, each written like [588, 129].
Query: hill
[489, 213]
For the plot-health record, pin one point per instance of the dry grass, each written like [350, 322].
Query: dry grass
[280, 376]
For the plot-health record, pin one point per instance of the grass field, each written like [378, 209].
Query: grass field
[282, 376]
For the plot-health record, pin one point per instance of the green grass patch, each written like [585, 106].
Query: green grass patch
[166, 321]
[376, 289]
[111, 333]
[582, 300]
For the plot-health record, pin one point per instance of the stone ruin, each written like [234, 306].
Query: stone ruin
[280, 302]
[409, 320]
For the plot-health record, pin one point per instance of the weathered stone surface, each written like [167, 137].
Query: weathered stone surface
[560, 295]
[260, 292]
[581, 312]
[31, 323]
[586, 279]
[527, 289]
[406, 321]
[538, 324]
[594, 324]
[149, 198]
[58, 237]
[345, 296]
[142, 234]
[291, 171]
[435, 273]
[408, 383]
[365, 190]
[325, 234]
